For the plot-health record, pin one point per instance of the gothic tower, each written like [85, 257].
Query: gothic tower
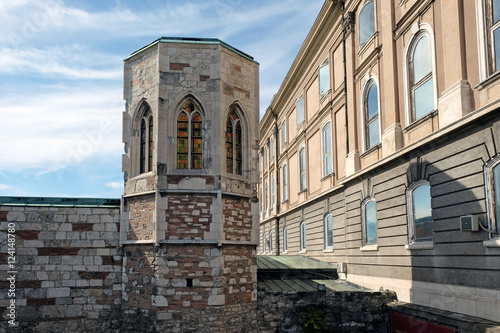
[189, 212]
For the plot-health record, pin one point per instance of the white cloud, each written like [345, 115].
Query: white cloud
[114, 185]
[4, 187]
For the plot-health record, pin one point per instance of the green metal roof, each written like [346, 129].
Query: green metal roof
[307, 285]
[292, 263]
[193, 40]
[60, 202]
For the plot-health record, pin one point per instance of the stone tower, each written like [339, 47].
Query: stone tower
[190, 215]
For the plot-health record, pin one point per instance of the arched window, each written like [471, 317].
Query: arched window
[328, 227]
[492, 182]
[285, 239]
[327, 149]
[146, 148]
[233, 144]
[366, 21]
[302, 169]
[420, 212]
[303, 242]
[369, 222]
[189, 137]
[371, 115]
[420, 76]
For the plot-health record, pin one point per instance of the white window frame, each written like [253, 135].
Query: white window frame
[360, 21]
[273, 192]
[283, 132]
[492, 205]
[302, 171]
[327, 156]
[484, 33]
[365, 222]
[372, 80]
[266, 198]
[417, 31]
[284, 182]
[303, 236]
[324, 67]
[412, 242]
[300, 119]
[285, 239]
[270, 242]
[271, 148]
[326, 228]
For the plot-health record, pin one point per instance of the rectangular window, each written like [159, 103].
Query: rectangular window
[327, 150]
[271, 147]
[285, 183]
[285, 239]
[302, 168]
[493, 34]
[493, 195]
[329, 232]
[273, 192]
[303, 242]
[300, 110]
[283, 132]
[324, 78]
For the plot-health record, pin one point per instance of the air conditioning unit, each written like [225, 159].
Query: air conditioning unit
[342, 267]
[469, 223]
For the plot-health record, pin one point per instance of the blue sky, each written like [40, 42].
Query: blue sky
[61, 72]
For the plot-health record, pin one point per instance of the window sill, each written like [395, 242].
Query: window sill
[302, 251]
[495, 242]
[328, 251]
[372, 149]
[302, 191]
[369, 247]
[488, 81]
[330, 175]
[427, 245]
[417, 122]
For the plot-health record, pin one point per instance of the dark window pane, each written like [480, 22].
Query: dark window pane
[422, 212]
[329, 231]
[496, 50]
[496, 190]
[372, 102]
[496, 10]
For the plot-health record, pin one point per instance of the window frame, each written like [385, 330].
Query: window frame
[327, 156]
[328, 229]
[360, 22]
[493, 207]
[146, 146]
[284, 183]
[283, 132]
[321, 71]
[271, 148]
[418, 31]
[266, 197]
[364, 221]
[364, 114]
[303, 236]
[270, 250]
[300, 101]
[302, 169]
[189, 137]
[273, 191]
[285, 239]
[264, 240]
[237, 149]
[411, 216]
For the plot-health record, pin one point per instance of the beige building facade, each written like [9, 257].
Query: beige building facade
[381, 150]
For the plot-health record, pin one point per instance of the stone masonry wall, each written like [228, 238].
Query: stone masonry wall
[188, 217]
[68, 267]
[346, 311]
[141, 214]
[237, 219]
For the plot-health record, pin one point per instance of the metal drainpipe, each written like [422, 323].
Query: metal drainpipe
[345, 77]
[277, 179]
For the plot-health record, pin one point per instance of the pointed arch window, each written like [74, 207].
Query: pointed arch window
[189, 137]
[146, 148]
[233, 144]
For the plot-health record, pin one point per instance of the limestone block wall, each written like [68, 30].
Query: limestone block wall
[141, 211]
[68, 266]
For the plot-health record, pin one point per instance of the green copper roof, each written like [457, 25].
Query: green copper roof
[59, 202]
[193, 40]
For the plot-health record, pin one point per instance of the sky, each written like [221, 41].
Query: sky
[61, 78]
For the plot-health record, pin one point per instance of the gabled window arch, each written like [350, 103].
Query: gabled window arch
[492, 182]
[328, 228]
[327, 150]
[302, 168]
[371, 113]
[366, 21]
[189, 136]
[303, 236]
[233, 144]
[285, 239]
[420, 92]
[369, 216]
[146, 145]
[419, 212]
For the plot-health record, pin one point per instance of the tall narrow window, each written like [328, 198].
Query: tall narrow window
[421, 77]
[233, 144]
[283, 132]
[420, 217]
[327, 149]
[328, 227]
[366, 21]
[285, 182]
[189, 137]
[264, 243]
[265, 157]
[492, 181]
[324, 78]
[369, 222]
[285, 239]
[270, 242]
[273, 192]
[266, 197]
[271, 147]
[299, 105]
[303, 242]
[302, 169]
[260, 199]
[146, 148]
[370, 105]
[493, 33]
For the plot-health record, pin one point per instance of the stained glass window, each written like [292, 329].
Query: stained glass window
[189, 137]
[146, 144]
[233, 144]
[151, 146]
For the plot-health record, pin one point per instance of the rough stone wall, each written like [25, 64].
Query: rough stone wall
[348, 311]
[237, 219]
[188, 217]
[68, 267]
[141, 211]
